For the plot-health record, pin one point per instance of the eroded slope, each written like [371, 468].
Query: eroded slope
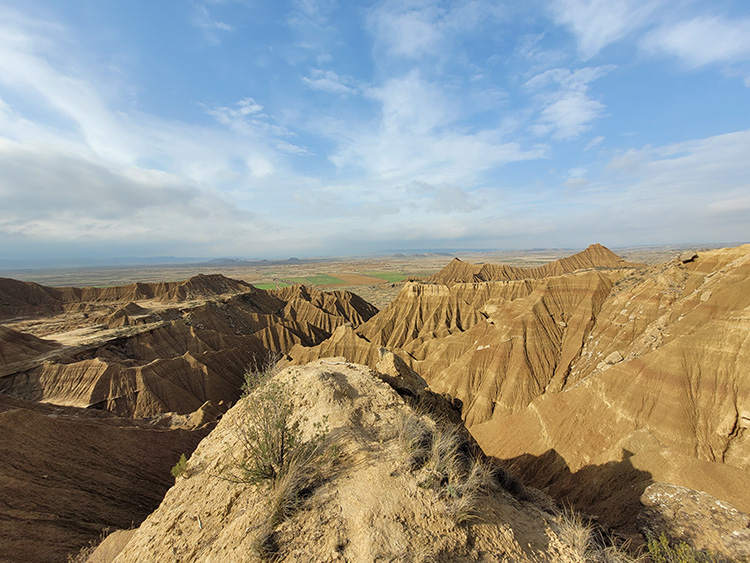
[592, 384]
[66, 473]
[367, 507]
[146, 349]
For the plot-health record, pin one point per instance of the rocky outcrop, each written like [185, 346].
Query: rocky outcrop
[367, 507]
[697, 518]
[23, 299]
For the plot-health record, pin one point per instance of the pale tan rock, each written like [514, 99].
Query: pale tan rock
[614, 358]
[366, 510]
[687, 256]
[696, 517]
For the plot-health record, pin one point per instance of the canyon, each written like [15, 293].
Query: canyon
[594, 381]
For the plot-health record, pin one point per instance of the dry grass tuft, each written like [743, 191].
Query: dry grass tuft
[88, 550]
[446, 462]
[574, 540]
[272, 454]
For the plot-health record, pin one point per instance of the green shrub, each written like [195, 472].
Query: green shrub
[259, 372]
[179, 467]
[660, 550]
[271, 440]
[272, 452]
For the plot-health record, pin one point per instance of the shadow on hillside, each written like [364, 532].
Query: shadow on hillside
[610, 491]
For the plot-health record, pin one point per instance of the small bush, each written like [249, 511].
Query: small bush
[179, 467]
[273, 453]
[447, 463]
[258, 373]
[660, 550]
[270, 438]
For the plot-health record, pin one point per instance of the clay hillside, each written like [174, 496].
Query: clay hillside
[383, 482]
[453, 425]
[595, 256]
[592, 385]
[102, 390]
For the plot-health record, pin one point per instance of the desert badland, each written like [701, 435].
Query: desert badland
[589, 385]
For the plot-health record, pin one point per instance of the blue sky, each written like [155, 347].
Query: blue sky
[263, 128]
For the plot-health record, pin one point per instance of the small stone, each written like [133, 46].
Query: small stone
[614, 358]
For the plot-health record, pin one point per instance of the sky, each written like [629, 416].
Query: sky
[271, 128]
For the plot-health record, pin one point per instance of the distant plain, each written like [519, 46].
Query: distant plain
[377, 279]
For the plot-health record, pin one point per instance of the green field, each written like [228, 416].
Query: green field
[318, 279]
[270, 285]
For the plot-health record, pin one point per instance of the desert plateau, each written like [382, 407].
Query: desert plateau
[591, 388]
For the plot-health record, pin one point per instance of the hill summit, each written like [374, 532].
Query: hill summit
[594, 256]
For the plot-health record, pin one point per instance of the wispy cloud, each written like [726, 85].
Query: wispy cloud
[598, 23]
[686, 189]
[567, 109]
[420, 28]
[310, 119]
[593, 143]
[701, 41]
[106, 172]
[327, 81]
[213, 28]
[417, 138]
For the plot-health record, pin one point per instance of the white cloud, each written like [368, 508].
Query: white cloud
[569, 115]
[417, 138]
[702, 40]
[417, 28]
[327, 81]
[212, 28]
[310, 13]
[409, 33]
[736, 202]
[530, 48]
[566, 108]
[691, 188]
[445, 198]
[246, 119]
[577, 182]
[598, 23]
[77, 168]
[51, 194]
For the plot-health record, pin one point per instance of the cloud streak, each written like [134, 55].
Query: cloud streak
[702, 41]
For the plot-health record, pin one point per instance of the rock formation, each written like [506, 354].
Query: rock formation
[592, 384]
[71, 359]
[598, 381]
[595, 256]
[367, 505]
[149, 357]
